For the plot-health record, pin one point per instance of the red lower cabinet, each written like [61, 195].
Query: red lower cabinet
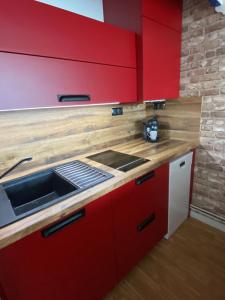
[83, 255]
[140, 211]
[161, 192]
[74, 263]
[2, 294]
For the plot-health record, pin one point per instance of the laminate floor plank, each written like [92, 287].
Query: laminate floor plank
[188, 266]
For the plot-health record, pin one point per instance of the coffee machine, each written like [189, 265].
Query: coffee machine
[151, 130]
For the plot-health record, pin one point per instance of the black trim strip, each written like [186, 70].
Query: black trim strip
[62, 224]
[73, 98]
[146, 222]
[145, 177]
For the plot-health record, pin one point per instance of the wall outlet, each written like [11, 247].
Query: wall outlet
[116, 111]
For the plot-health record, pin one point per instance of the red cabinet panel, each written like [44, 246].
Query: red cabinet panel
[2, 293]
[140, 218]
[76, 262]
[125, 14]
[161, 192]
[166, 12]
[161, 61]
[31, 27]
[28, 81]
[159, 42]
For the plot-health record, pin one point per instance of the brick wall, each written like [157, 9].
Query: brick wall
[203, 74]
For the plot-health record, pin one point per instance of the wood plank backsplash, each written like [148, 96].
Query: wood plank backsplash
[49, 135]
[180, 119]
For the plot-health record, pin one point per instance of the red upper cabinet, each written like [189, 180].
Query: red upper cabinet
[76, 262]
[30, 81]
[31, 27]
[158, 25]
[46, 51]
[168, 13]
[161, 61]
[125, 13]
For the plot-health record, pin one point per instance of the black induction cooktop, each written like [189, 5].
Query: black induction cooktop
[117, 160]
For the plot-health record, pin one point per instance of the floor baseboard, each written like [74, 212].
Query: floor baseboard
[209, 219]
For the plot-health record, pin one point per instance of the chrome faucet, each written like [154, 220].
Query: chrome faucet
[26, 159]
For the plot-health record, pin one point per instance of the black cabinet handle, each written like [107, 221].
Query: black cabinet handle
[144, 178]
[60, 225]
[182, 164]
[73, 98]
[146, 222]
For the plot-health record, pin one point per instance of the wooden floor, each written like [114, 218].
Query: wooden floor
[191, 265]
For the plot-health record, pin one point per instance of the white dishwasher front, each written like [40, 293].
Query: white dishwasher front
[179, 191]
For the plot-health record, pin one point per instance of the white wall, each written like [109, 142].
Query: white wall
[89, 8]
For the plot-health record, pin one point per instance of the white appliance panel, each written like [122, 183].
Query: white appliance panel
[179, 191]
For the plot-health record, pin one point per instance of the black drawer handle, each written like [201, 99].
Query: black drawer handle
[182, 164]
[58, 226]
[144, 178]
[73, 98]
[146, 222]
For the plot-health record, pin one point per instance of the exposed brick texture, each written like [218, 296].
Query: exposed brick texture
[203, 74]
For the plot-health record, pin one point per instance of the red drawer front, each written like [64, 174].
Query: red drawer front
[166, 12]
[29, 82]
[130, 208]
[161, 61]
[35, 28]
[133, 206]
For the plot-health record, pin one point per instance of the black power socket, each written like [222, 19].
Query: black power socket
[117, 111]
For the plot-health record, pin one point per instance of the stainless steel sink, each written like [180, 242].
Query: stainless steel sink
[24, 196]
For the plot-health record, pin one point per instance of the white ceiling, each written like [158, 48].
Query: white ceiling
[89, 8]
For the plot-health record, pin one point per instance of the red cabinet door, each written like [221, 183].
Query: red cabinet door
[140, 217]
[161, 192]
[161, 61]
[76, 262]
[32, 27]
[28, 82]
[168, 13]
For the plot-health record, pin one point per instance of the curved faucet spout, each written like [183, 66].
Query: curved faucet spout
[26, 159]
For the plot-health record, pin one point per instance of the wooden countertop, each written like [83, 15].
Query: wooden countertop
[159, 153]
